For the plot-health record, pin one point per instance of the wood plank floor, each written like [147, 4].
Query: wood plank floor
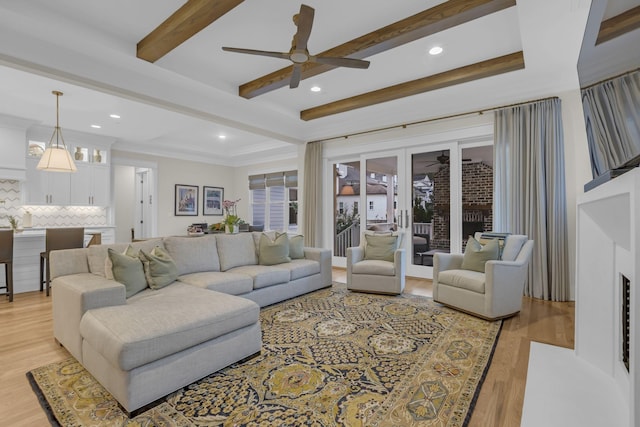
[26, 342]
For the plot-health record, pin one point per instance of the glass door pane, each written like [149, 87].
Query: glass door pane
[346, 199]
[431, 205]
[477, 191]
[382, 194]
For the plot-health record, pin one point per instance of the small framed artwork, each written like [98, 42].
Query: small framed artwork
[186, 200]
[212, 198]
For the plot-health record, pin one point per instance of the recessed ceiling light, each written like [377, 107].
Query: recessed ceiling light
[96, 126]
[114, 116]
[221, 136]
[436, 50]
[316, 89]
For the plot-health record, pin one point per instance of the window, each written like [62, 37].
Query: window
[370, 205]
[341, 207]
[274, 200]
[355, 207]
[293, 208]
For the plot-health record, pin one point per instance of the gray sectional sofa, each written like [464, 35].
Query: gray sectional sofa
[146, 346]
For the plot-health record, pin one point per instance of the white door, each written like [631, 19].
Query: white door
[144, 204]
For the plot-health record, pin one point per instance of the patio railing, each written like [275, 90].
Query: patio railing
[345, 239]
[351, 237]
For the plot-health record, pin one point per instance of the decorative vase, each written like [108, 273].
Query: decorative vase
[231, 229]
[79, 155]
[27, 219]
[98, 157]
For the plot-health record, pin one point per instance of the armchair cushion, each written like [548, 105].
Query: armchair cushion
[376, 267]
[465, 279]
[380, 247]
[476, 255]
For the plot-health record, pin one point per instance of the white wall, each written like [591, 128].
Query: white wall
[13, 149]
[174, 171]
[577, 168]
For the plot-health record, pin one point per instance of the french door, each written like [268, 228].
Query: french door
[417, 191]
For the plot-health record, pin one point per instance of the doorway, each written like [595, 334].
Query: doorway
[135, 207]
[144, 204]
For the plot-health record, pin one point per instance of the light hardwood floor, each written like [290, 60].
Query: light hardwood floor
[26, 342]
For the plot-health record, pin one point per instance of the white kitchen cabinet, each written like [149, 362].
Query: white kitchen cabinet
[46, 188]
[90, 185]
[101, 185]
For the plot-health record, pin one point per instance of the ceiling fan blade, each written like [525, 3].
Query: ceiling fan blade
[340, 62]
[304, 23]
[282, 55]
[295, 76]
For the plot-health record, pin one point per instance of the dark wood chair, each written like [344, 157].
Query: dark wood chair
[57, 239]
[6, 258]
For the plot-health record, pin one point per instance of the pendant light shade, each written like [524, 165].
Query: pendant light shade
[56, 157]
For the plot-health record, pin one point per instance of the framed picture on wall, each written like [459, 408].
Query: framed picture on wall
[186, 200]
[212, 198]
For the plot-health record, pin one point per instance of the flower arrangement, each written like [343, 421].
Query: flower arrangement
[231, 218]
[13, 223]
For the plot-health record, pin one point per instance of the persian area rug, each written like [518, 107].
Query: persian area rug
[329, 358]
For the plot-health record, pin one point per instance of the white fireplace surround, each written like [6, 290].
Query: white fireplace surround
[608, 238]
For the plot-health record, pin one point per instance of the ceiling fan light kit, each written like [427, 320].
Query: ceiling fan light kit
[298, 54]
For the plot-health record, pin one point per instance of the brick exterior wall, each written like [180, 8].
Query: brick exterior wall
[477, 201]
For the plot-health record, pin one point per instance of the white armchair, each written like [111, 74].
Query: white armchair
[494, 294]
[375, 275]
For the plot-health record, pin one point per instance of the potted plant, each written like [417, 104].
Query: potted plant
[231, 219]
[13, 222]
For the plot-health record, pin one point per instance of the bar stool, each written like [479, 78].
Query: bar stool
[6, 258]
[57, 239]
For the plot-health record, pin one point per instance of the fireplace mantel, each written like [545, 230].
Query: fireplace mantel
[608, 238]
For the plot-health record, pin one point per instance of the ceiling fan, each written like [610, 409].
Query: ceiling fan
[298, 54]
[443, 159]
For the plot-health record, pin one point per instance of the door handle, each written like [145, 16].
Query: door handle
[406, 218]
[400, 219]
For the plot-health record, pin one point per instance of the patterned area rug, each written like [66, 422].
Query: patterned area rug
[329, 358]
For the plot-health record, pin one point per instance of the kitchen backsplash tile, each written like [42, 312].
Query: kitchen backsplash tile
[46, 216]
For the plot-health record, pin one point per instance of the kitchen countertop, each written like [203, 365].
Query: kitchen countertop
[41, 231]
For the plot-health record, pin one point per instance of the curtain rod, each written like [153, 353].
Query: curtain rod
[609, 79]
[419, 122]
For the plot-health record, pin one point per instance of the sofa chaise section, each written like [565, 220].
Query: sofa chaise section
[134, 350]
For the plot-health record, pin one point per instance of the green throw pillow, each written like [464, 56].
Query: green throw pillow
[159, 268]
[128, 271]
[380, 247]
[108, 266]
[273, 252]
[296, 246]
[476, 255]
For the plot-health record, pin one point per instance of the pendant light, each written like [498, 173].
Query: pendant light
[56, 157]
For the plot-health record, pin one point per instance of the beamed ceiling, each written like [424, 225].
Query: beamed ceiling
[159, 64]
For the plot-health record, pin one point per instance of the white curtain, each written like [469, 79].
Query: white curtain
[612, 116]
[312, 195]
[530, 193]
